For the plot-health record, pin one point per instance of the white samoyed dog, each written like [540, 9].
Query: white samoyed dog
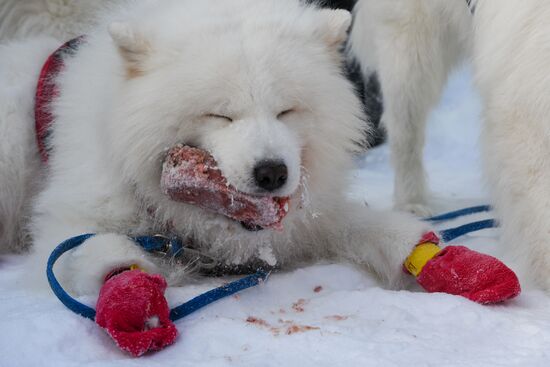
[413, 45]
[246, 80]
[512, 71]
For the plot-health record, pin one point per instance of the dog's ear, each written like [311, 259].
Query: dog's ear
[132, 45]
[334, 26]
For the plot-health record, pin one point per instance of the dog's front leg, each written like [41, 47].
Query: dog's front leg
[82, 270]
[87, 266]
[379, 241]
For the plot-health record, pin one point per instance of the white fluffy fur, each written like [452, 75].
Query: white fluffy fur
[128, 96]
[62, 19]
[511, 58]
[20, 173]
[413, 45]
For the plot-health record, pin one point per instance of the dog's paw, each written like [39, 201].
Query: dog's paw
[418, 209]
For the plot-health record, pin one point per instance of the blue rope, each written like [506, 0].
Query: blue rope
[216, 294]
[71, 303]
[459, 213]
[452, 233]
[149, 243]
[157, 243]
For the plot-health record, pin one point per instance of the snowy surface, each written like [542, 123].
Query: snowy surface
[323, 315]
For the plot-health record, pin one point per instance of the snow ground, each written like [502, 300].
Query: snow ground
[323, 315]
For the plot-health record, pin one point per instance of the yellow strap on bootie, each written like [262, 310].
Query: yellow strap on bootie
[421, 254]
[136, 267]
[118, 271]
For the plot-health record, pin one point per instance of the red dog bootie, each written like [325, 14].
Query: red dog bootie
[132, 309]
[460, 271]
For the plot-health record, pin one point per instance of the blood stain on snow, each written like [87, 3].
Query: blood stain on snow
[318, 289]
[300, 329]
[257, 321]
[337, 317]
[298, 306]
[287, 327]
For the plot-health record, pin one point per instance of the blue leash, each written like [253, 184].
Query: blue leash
[149, 243]
[71, 303]
[459, 213]
[450, 234]
[174, 246]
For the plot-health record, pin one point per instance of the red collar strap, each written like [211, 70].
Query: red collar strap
[46, 91]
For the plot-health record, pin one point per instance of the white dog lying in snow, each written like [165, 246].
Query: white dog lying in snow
[413, 45]
[248, 81]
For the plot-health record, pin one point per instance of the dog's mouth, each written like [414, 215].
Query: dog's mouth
[191, 175]
[251, 227]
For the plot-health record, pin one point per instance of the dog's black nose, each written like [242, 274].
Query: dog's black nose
[270, 175]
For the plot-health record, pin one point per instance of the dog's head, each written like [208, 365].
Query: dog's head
[256, 83]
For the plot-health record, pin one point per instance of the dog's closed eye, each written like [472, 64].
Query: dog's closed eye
[285, 113]
[216, 116]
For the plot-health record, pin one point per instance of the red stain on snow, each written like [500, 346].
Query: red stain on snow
[257, 321]
[300, 329]
[337, 317]
[287, 327]
[298, 306]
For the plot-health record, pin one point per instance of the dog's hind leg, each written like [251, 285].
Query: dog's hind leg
[412, 45]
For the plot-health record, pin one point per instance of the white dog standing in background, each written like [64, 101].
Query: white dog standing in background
[246, 80]
[512, 67]
[413, 45]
